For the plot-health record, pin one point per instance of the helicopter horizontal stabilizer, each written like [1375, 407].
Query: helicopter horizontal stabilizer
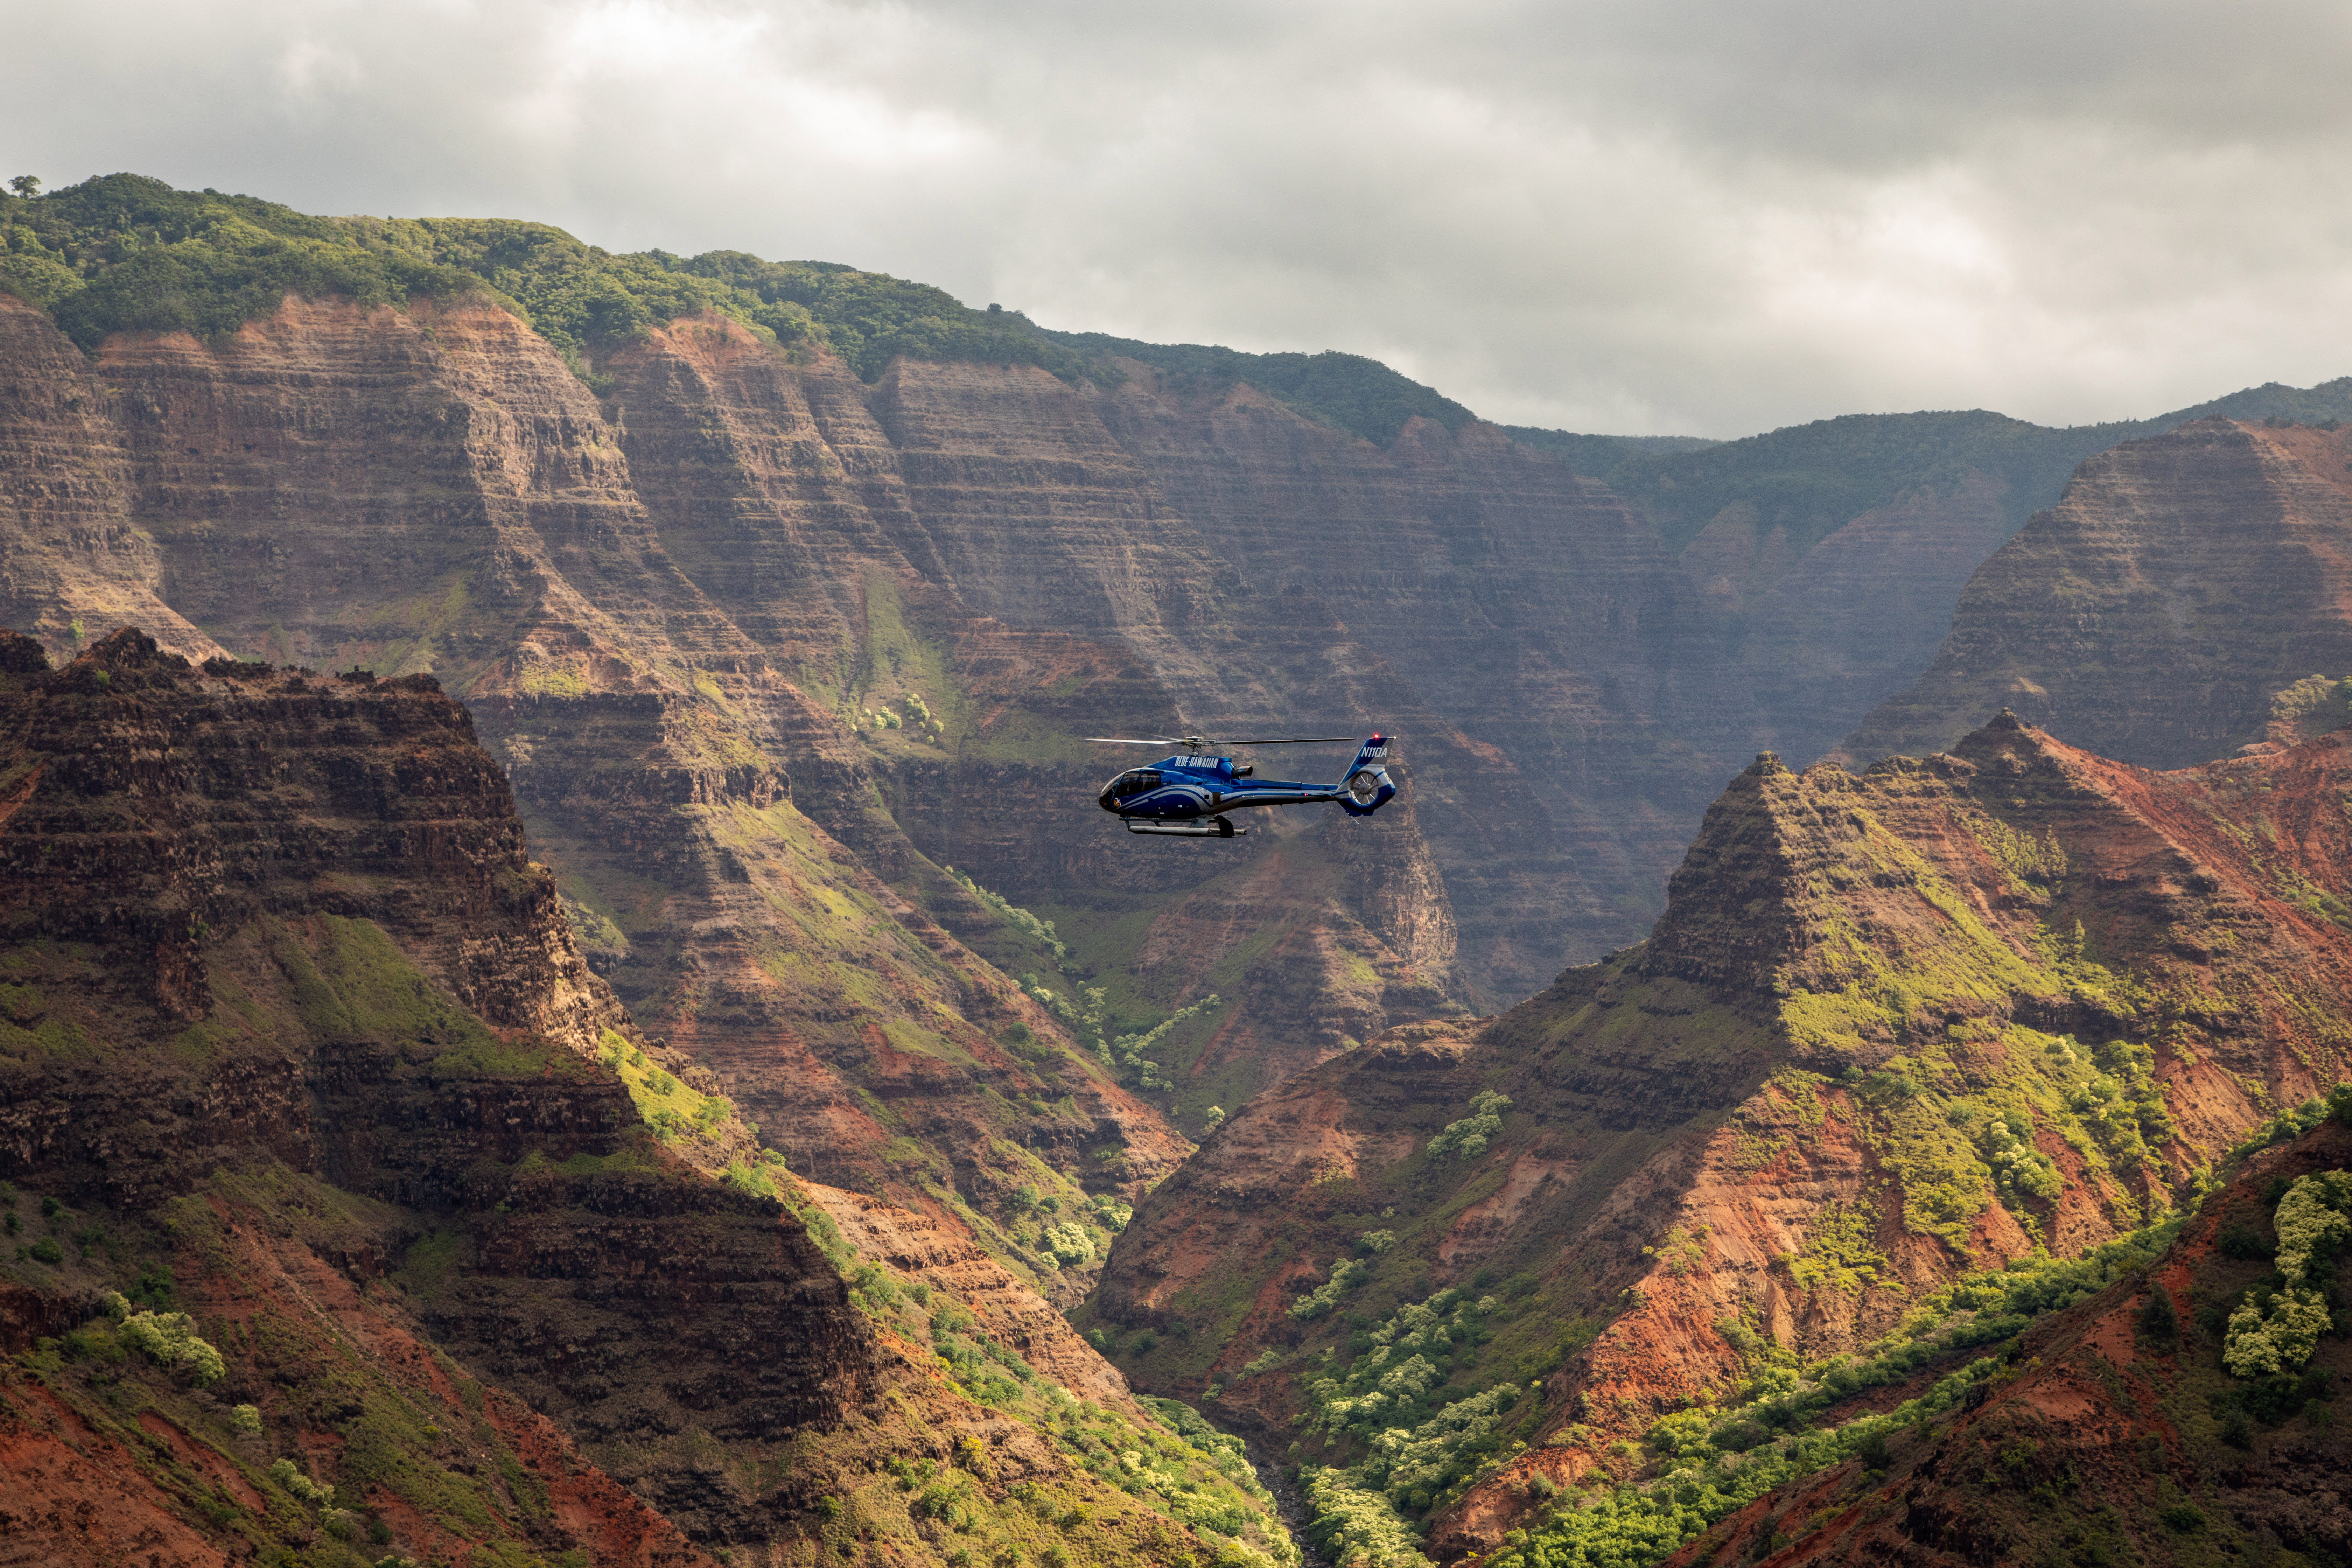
[1189, 827]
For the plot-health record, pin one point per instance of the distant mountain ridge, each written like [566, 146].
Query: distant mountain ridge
[2156, 611]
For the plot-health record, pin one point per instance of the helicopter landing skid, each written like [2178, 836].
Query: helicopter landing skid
[1196, 827]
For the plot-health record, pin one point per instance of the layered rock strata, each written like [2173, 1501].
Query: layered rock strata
[2153, 612]
[434, 491]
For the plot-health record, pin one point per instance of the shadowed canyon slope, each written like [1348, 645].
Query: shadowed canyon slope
[352, 1215]
[1891, 1028]
[2154, 613]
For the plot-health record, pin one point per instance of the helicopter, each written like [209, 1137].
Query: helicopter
[1187, 795]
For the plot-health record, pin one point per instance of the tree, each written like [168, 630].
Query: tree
[27, 185]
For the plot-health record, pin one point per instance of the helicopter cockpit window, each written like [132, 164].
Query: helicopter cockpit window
[1134, 782]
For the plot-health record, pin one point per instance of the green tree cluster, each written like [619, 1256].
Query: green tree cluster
[1467, 1138]
[167, 1339]
[2273, 1332]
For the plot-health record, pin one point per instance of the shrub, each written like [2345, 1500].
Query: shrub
[2280, 1335]
[47, 1251]
[289, 1476]
[1066, 1244]
[1319, 1301]
[2184, 1517]
[155, 1288]
[244, 1420]
[168, 1339]
[1467, 1139]
[1376, 1241]
[2243, 1243]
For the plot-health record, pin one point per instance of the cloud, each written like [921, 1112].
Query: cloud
[1710, 217]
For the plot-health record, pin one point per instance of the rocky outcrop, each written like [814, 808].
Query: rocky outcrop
[283, 995]
[2151, 615]
[73, 564]
[1891, 1026]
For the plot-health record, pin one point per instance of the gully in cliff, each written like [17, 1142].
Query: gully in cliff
[1187, 795]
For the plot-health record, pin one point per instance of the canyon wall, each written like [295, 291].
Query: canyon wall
[2154, 613]
[679, 606]
[434, 491]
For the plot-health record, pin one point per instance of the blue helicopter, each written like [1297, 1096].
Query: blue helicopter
[1188, 794]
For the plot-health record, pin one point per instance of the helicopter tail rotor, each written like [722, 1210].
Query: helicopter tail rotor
[1366, 787]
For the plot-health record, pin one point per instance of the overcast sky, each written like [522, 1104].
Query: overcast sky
[1706, 218]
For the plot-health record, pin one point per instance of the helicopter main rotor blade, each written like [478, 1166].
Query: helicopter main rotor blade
[1123, 741]
[1299, 741]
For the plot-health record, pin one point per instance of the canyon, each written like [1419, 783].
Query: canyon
[2154, 614]
[655, 1055]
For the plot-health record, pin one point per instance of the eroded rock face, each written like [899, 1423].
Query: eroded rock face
[1527, 606]
[70, 555]
[1858, 616]
[434, 490]
[1784, 1109]
[2153, 611]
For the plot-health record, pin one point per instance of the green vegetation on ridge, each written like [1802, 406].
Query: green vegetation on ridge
[127, 253]
[1813, 479]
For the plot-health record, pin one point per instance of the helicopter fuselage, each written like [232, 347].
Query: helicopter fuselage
[1189, 795]
[1185, 786]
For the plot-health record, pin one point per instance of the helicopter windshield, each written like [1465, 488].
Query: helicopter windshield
[1134, 781]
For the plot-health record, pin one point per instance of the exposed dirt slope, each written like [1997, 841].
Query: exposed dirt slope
[1891, 1026]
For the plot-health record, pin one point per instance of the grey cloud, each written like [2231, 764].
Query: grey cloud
[1710, 217]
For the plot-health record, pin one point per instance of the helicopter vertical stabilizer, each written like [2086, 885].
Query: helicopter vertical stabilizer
[1365, 786]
